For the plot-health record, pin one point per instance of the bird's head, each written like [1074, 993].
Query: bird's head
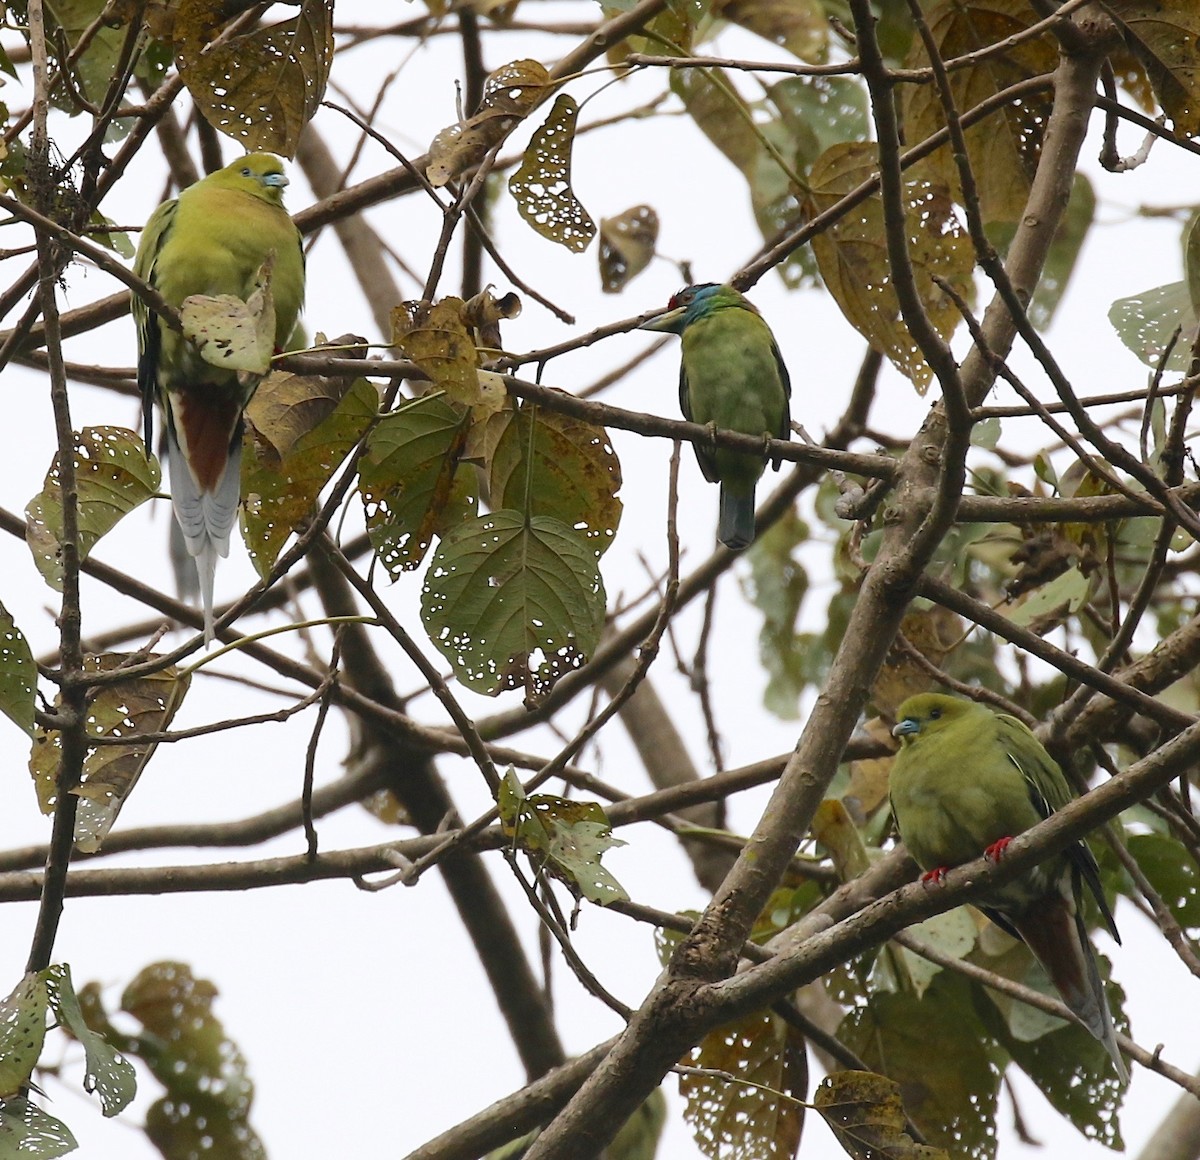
[693, 303]
[259, 174]
[927, 714]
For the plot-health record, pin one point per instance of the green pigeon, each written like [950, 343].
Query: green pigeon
[732, 378]
[213, 239]
[966, 781]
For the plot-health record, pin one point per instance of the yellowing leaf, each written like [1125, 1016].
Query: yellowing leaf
[1004, 147]
[18, 674]
[542, 186]
[230, 333]
[513, 603]
[548, 464]
[1165, 34]
[437, 338]
[800, 26]
[570, 836]
[852, 255]
[140, 705]
[759, 1119]
[865, 1114]
[261, 87]
[286, 407]
[627, 244]
[410, 481]
[280, 492]
[112, 477]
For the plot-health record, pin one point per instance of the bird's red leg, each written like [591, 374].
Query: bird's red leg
[935, 875]
[996, 850]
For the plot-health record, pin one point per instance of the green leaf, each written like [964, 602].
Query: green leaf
[112, 475]
[109, 1073]
[953, 932]
[542, 185]
[144, 704]
[800, 26]
[1172, 873]
[1146, 323]
[411, 481]
[757, 1119]
[864, 1112]
[544, 463]
[28, 1132]
[571, 836]
[280, 492]
[18, 675]
[986, 433]
[513, 603]
[22, 1032]
[950, 1092]
[1066, 592]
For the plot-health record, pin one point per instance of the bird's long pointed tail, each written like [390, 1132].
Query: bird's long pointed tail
[1055, 931]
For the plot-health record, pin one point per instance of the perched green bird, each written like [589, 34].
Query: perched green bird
[212, 239]
[966, 781]
[732, 378]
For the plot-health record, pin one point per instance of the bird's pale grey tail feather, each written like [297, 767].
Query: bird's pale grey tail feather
[206, 520]
[735, 527]
[1098, 1016]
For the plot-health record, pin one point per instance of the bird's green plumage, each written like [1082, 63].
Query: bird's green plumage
[965, 779]
[731, 377]
[213, 239]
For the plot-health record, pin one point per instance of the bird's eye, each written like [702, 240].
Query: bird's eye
[934, 714]
[247, 171]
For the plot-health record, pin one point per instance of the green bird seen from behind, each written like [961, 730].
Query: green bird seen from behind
[213, 239]
[731, 378]
[966, 781]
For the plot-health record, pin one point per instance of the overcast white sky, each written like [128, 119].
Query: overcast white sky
[365, 1018]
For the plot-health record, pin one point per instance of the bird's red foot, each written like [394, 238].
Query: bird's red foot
[996, 850]
[935, 875]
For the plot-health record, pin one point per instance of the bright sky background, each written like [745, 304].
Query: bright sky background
[367, 1023]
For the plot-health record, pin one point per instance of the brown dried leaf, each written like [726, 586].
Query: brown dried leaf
[437, 339]
[627, 244]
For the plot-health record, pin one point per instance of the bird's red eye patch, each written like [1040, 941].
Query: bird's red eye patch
[680, 299]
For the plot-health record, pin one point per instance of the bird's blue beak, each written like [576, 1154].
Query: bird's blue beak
[907, 726]
[275, 180]
[671, 322]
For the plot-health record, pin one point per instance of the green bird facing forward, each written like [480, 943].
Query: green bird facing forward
[212, 239]
[731, 378]
[966, 781]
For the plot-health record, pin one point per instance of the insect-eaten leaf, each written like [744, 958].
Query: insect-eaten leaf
[751, 1107]
[438, 338]
[542, 185]
[261, 87]
[411, 482]
[281, 491]
[544, 463]
[230, 333]
[509, 93]
[852, 255]
[22, 1033]
[112, 477]
[568, 836]
[513, 603]
[627, 244]
[18, 675]
[864, 1112]
[484, 313]
[141, 705]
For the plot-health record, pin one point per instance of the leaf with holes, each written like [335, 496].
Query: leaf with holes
[1164, 37]
[31, 1134]
[410, 480]
[141, 705]
[853, 258]
[513, 604]
[544, 463]
[18, 675]
[281, 493]
[755, 1113]
[1147, 323]
[571, 836]
[542, 186]
[22, 1033]
[864, 1112]
[438, 339]
[260, 87]
[112, 477]
[286, 407]
[108, 1073]
[1004, 147]
[627, 244]
[230, 333]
